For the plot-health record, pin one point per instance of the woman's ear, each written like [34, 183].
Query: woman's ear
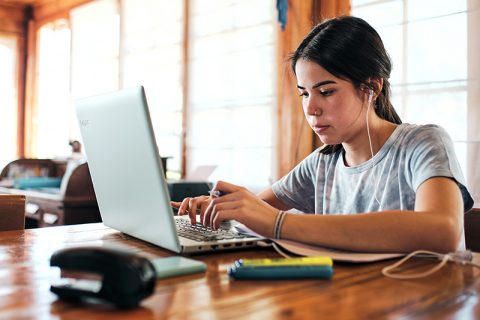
[377, 85]
[372, 88]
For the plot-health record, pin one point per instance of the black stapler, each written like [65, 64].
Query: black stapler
[120, 277]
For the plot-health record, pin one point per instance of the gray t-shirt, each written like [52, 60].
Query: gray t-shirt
[322, 184]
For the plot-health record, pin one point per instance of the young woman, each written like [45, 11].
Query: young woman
[376, 185]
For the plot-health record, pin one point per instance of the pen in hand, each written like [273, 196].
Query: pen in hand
[216, 193]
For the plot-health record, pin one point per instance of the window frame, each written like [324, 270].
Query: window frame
[468, 85]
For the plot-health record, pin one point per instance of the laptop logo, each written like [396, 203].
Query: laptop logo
[84, 123]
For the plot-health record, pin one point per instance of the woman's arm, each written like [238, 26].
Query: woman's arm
[269, 197]
[436, 224]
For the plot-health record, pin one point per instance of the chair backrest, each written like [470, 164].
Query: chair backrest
[472, 229]
[12, 212]
[24, 168]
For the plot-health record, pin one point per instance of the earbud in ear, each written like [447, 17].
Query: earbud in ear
[370, 96]
[370, 92]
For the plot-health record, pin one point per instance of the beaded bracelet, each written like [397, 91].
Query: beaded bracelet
[277, 229]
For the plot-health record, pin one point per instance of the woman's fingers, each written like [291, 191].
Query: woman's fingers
[220, 216]
[226, 187]
[186, 208]
[228, 201]
[205, 216]
[175, 204]
[193, 210]
[228, 190]
[203, 208]
[182, 209]
[190, 206]
[219, 208]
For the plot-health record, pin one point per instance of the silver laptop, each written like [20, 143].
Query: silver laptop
[128, 178]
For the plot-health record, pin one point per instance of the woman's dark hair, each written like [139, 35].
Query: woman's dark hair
[350, 49]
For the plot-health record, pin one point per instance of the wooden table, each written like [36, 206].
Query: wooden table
[356, 291]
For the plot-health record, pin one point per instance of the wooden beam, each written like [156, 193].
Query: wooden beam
[185, 88]
[49, 9]
[22, 78]
[295, 137]
[11, 19]
[325, 9]
[30, 92]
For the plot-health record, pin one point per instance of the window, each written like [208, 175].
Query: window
[433, 73]
[53, 90]
[123, 43]
[152, 56]
[8, 99]
[95, 48]
[232, 89]
[95, 53]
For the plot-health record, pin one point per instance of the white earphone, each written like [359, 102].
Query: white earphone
[370, 96]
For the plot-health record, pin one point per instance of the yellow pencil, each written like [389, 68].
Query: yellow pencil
[302, 261]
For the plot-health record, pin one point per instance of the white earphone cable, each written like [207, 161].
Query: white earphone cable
[461, 257]
[374, 172]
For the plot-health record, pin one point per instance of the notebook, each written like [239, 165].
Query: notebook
[128, 178]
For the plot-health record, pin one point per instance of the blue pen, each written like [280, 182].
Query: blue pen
[284, 272]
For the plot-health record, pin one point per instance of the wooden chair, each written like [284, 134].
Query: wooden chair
[32, 167]
[472, 229]
[12, 212]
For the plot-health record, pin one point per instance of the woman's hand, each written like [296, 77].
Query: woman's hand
[192, 206]
[241, 205]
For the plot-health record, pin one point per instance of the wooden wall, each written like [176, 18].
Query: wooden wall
[12, 19]
[295, 138]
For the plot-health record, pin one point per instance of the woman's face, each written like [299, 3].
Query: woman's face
[333, 107]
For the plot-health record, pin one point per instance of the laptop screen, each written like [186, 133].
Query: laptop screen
[126, 167]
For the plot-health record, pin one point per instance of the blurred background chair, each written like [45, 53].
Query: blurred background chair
[58, 192]
[472, 229]
[12, 212]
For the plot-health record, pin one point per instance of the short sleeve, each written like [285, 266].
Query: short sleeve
[432, 155]
[297, 188]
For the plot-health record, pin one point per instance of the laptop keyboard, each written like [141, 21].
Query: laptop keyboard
[198, 232]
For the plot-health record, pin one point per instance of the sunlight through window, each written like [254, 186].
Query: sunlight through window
[8, 100]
